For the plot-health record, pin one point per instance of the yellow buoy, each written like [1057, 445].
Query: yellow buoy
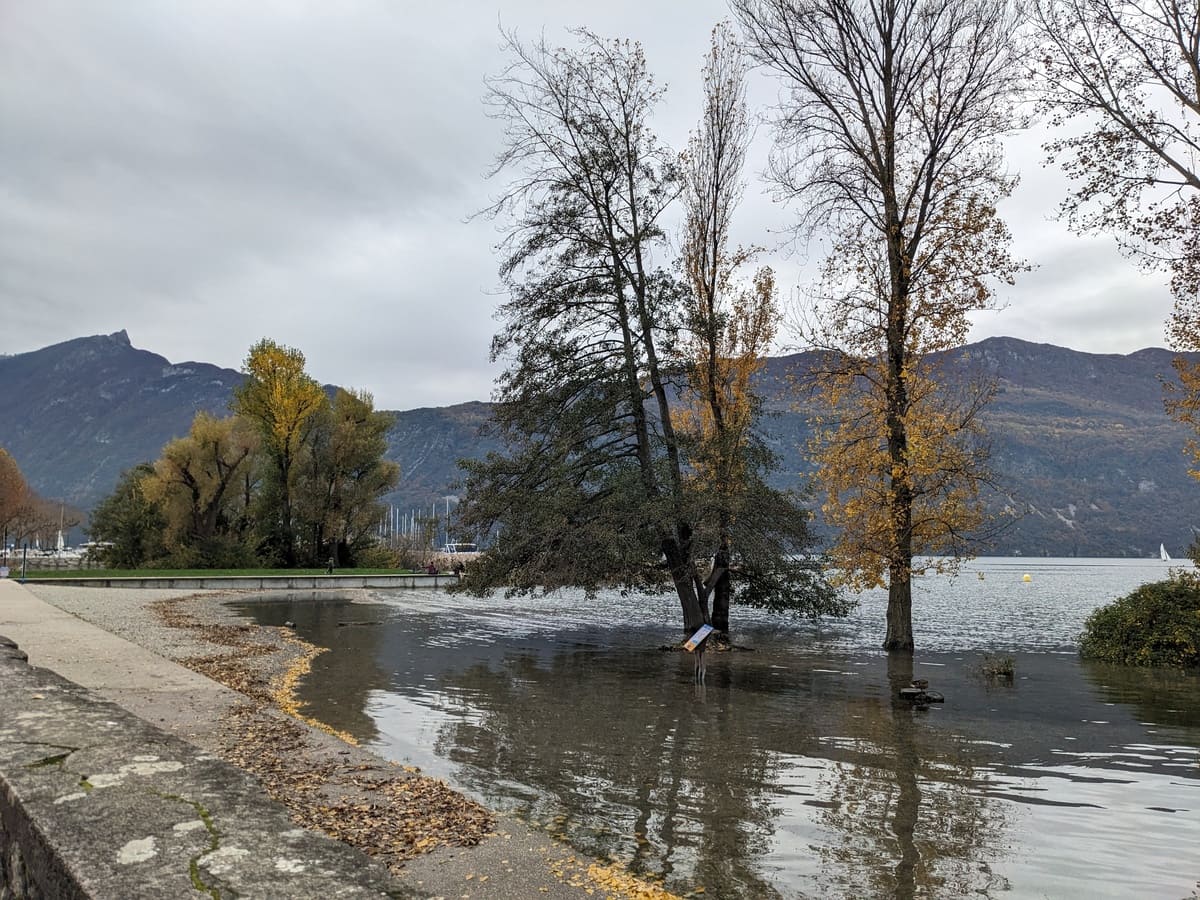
[1027, 577]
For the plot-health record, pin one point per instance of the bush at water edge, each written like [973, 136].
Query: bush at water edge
[1156, 625]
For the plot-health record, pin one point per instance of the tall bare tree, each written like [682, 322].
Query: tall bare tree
[1125, 76]
[730, 324]
[887, 137]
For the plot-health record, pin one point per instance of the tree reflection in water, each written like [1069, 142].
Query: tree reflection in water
[656, 775]
[1166, 697]
[907, 800]
[686, 782]
[791, 772]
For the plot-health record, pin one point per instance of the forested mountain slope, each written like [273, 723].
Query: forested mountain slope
[1087, 461]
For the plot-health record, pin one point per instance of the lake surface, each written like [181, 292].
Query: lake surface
[790, 772]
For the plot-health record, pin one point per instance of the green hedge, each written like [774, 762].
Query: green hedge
[1156, 625]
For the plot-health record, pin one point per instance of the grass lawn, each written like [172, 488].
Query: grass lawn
[190, 573]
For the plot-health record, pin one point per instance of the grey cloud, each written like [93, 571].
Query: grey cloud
[207, 172]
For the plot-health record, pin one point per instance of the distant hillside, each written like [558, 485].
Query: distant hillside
[1088, 462]
[1085, 450]
[77, 414]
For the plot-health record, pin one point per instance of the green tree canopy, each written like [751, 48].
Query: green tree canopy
[128, 525]
[1156, 625]
[342, 477]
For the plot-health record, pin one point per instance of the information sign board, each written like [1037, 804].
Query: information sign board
[694, 641]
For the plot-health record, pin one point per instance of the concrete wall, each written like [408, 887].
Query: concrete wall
[36, 562]
[97, 804]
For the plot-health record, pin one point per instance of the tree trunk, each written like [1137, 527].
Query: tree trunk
[722, 591]
[899, 612]
[287, 535]
[899, 609]
[289, 540]
[685, 587]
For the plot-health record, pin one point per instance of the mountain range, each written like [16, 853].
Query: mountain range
[1086, 461]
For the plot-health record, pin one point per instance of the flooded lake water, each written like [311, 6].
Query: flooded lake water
[791, 773]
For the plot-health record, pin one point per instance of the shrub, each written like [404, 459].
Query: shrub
[998, 667]
[1156, 625]
[377, 556]
[221, 551]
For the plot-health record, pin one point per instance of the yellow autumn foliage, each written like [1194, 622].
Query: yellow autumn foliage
[279, 396]
[194, 478]
[899, 450]
[718, 408]
[941, 472]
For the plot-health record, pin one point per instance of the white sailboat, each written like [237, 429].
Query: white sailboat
[1163, 554]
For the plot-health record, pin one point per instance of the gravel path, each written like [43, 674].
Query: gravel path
[126, 613]
[437, 840]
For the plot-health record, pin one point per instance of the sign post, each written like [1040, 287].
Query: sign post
[696, 644]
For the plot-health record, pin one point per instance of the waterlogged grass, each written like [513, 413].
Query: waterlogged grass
[195, 573]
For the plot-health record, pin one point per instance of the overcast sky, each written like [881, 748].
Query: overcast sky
[204, 173]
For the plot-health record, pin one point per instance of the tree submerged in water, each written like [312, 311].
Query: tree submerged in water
[889, 137]
[615, 474]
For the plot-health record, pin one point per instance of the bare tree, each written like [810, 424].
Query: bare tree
[1126, 77]
[887, 136]
[26, 516]
[17, 499]
[730, 323]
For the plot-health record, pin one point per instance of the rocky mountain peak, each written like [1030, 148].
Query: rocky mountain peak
[1080, 442]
